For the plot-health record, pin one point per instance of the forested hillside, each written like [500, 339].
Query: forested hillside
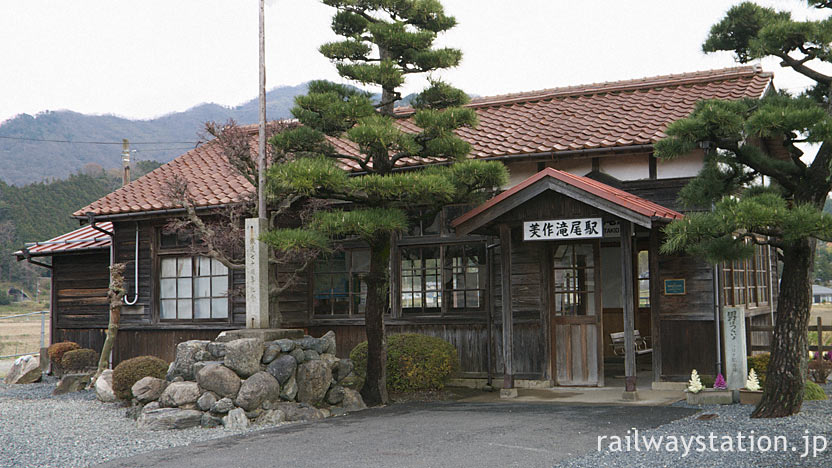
[24, 161]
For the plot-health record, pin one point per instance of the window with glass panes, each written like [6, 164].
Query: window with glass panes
[465, 276]
[193, 288]
[643, 278]
[421, 279]
[745, 282]
[338, 283]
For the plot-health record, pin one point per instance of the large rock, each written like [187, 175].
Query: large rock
[148, 389]
[289, 390]
[315, 344]
[285, 345]
[207, 401]
[235, 419]
[179, 394]
[271, 417]
[330, 360]
[104, 387]
[216, 349]
[256, 389]
[263, 334]
[271, 352]
[352, 400]
[209, 421]
[311, 355]
[186, 356]
[169, 418]
[199, 365]
[222, 406]
[335, 395]
[243, 356]
[72, 383]
[341, 369]
[300, 412]
[314, 378]
[282, 368]
[298, 354]
[25, 370]
[220, 380]
[329, 342]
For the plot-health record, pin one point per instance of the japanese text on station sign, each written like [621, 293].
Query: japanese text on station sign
[557, 229]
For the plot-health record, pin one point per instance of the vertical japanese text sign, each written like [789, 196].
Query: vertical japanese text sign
[733, 332]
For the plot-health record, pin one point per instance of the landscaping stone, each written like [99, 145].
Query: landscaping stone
[151, 406]
[25, 370]
[256, 389]
[72, 383]
[216, 349]
[262, 334]
[282, 368]
[222, 406]
[148, 389]
[329, 344]
[271, 353]
[104, 387]
[198, 366]
[314, 344]
[335, 395]
[311, 355]
[208, 421]
[352, 401]
[169, 418]
[341, 369]
[289, 390]
[271, 417]
[330, 360]
[243, 356]
[220, 380]
[186, 356]
[179, 394]
[314, 378]
[134, 411]
[285, 345]
[300, 412]
[298, 354]
[254, 414]
[235, 419]
[204, 355]
[207, 401]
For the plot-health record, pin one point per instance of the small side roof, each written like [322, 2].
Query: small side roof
[818, 290]
[602, 196]
[82, 239]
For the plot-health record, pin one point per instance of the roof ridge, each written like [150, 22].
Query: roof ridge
[652, 82]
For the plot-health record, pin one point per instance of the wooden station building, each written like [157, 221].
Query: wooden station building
[535, 285]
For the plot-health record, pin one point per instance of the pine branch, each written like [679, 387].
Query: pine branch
[800, 67]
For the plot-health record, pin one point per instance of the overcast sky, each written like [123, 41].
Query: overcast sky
[142, 59]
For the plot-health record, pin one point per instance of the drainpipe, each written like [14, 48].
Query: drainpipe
[135, 274]
[489, 260]
[717, 316]
[28, 256]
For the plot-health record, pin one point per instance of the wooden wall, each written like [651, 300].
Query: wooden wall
[79, 289]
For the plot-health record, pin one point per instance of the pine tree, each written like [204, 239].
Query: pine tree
[384, 41]
[761, 190]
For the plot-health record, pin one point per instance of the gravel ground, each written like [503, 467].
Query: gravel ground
[76, 430]
[815, 420]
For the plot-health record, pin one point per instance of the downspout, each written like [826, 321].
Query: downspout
[136, 274]
[28, 256]
[717, 316]
[489, 260]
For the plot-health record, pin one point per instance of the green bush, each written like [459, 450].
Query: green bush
[78, 360]
[414, 362]
[4, 297]
[57, 350]
[131, 371]
[813, 391]
[759, 362]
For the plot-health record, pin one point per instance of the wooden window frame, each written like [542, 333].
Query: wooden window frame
[351, 288]
[178, 253]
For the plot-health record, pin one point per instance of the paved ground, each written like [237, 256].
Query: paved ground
[422, 435]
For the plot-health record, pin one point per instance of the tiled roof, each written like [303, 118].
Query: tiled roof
[617, 196]
[85, 238]
[597, 116]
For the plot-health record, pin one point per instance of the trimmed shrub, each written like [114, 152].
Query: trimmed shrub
[759, 362]
[414, 362]
[813, 391]
[78, 360]
[4, 297]
[57, 350]
[819, 370]
[131, 371]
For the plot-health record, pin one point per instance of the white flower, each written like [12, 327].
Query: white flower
[752, 383]
[695, 385]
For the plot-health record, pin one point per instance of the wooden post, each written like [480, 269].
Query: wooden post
[627, 305]
[820, 339]
[655, 304]
[508, 390]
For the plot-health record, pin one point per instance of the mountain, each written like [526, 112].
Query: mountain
[23, 161]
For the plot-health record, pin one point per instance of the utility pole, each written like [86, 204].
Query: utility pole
[125, 162]
[261, 164]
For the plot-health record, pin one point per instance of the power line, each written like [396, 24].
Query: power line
[149, 150]
[48, 140]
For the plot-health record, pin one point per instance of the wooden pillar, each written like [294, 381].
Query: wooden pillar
[655, 304]
[508, 322]
[627, 305]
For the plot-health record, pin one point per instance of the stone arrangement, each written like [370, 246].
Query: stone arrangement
[25, 370]
[247, 380]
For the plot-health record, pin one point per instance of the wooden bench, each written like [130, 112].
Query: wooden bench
[641, 343]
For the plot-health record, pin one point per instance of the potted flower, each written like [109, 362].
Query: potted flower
[697, 394]
[752, 393]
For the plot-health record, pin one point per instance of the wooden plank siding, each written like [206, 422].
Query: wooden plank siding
[80, 287]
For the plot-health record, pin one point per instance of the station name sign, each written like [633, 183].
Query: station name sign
[563, 229]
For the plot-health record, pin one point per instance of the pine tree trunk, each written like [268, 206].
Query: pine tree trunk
[374, 390]
[786, 374]
[115, 296]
